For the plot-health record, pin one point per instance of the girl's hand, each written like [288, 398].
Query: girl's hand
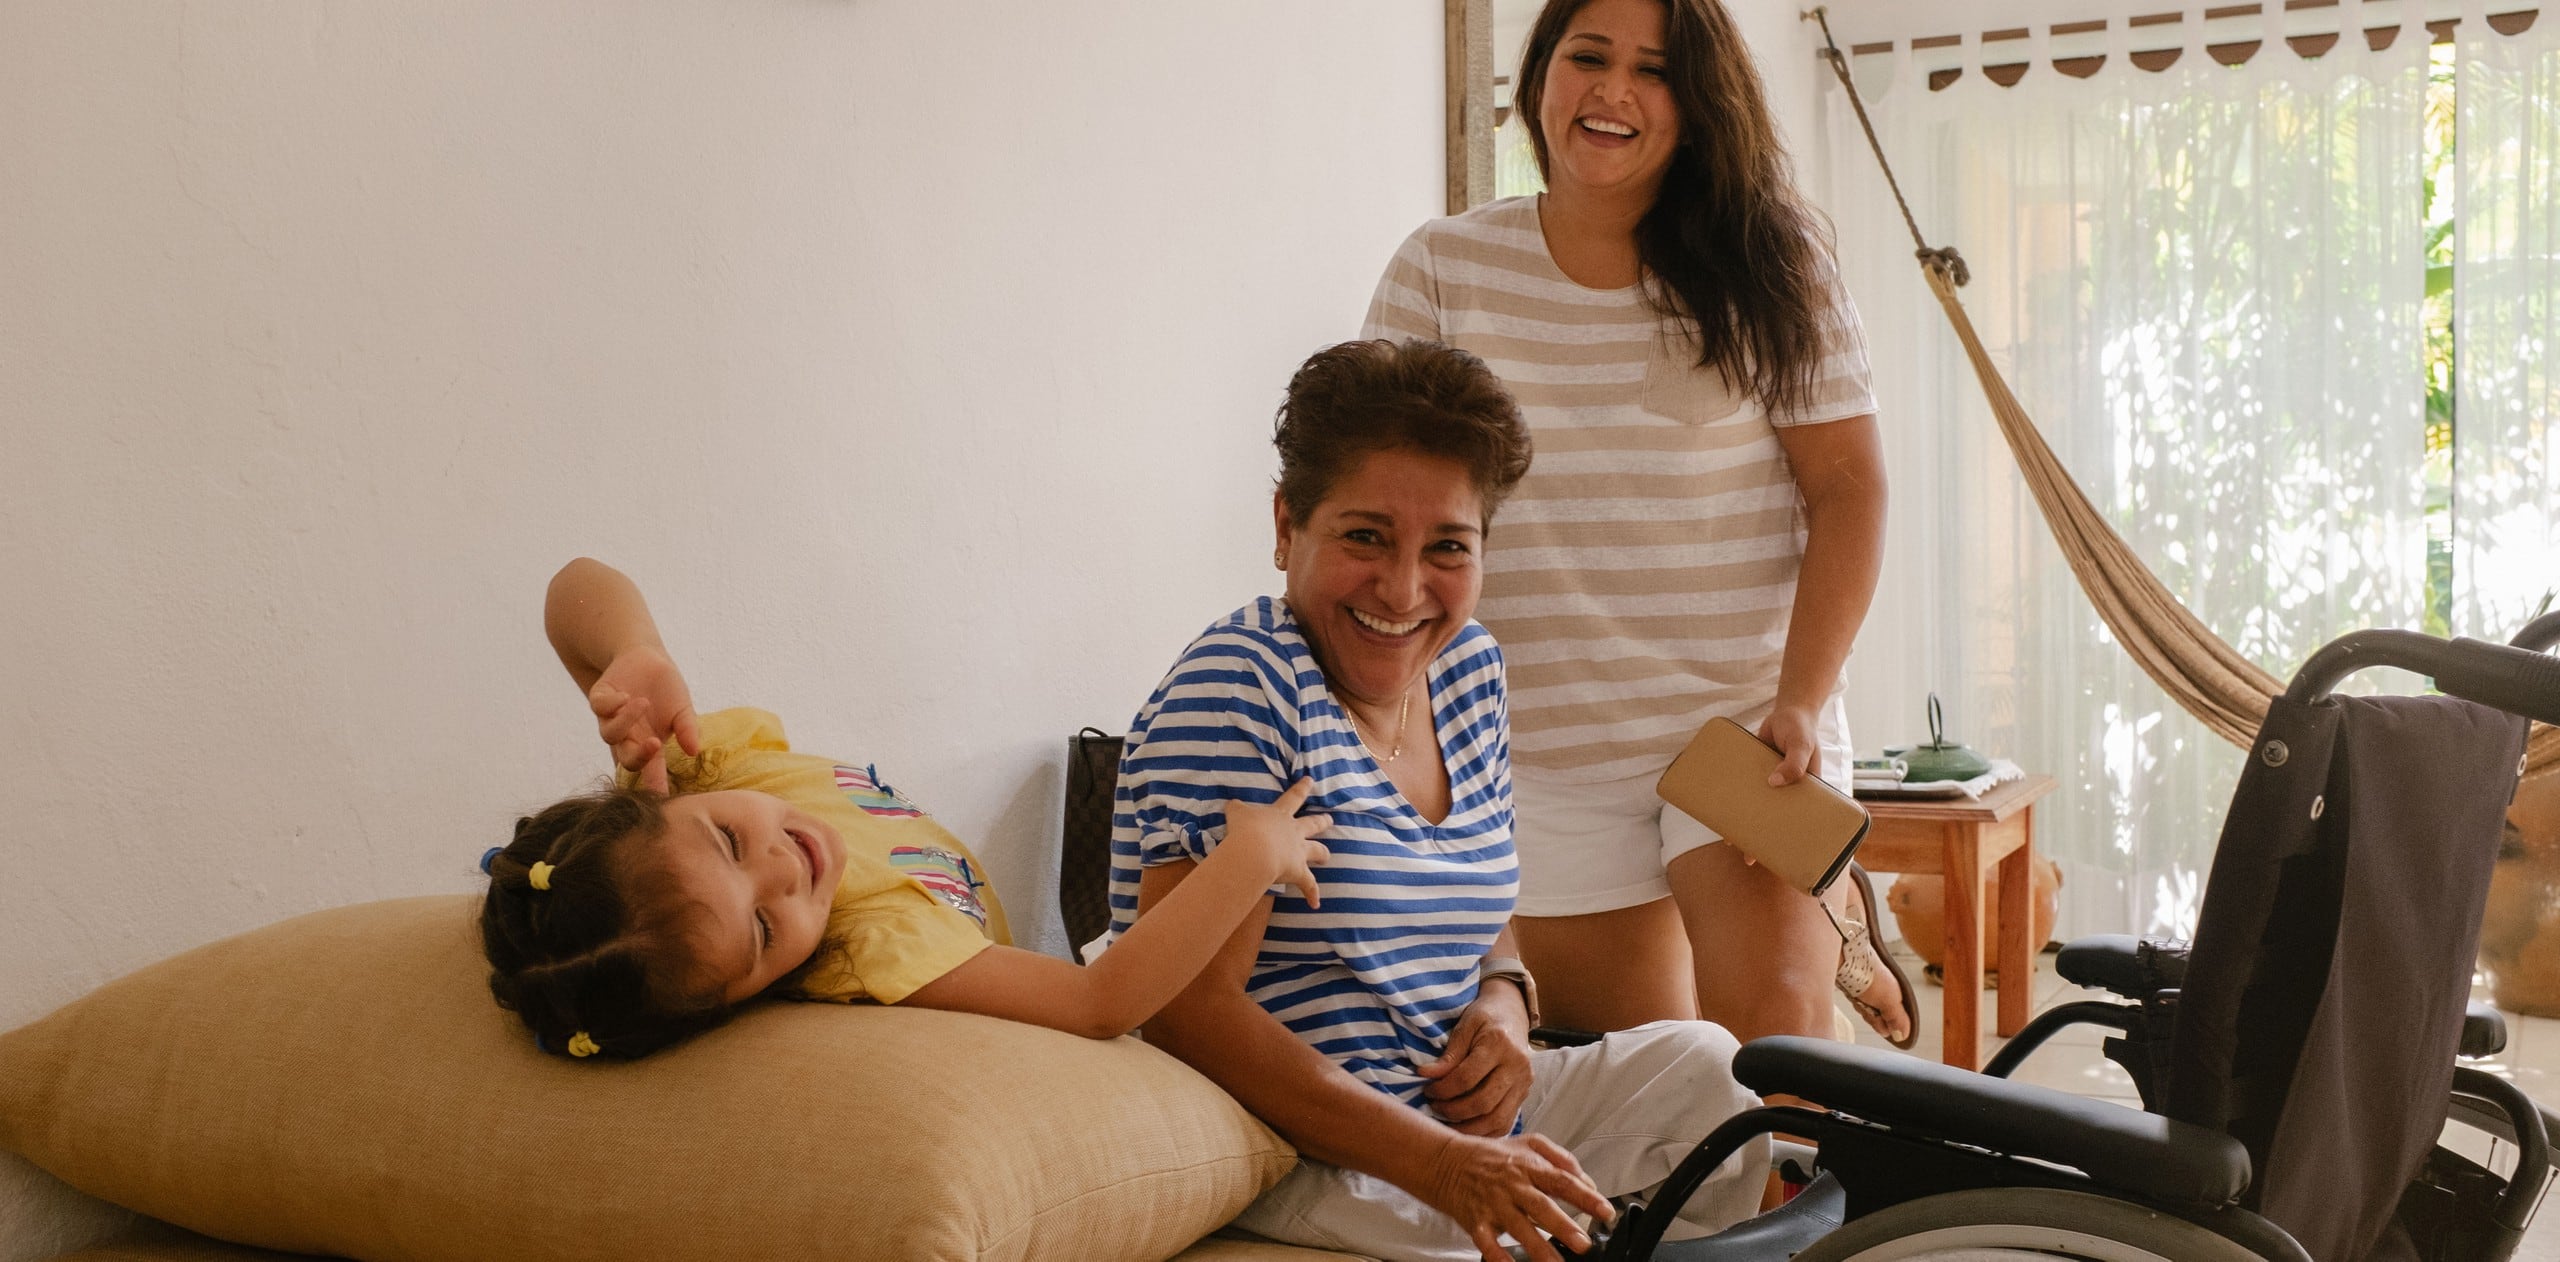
[1795, 730]
[1281, 840]
[639, 701]
[1497, 1187]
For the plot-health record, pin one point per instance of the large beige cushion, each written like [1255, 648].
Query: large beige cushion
[178, 1251]
[200, 1250]
[342, 1084]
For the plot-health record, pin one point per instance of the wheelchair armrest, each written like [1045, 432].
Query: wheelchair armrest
[2106, 961]
[2122, 964]
[2119, 1147]
[2119, 964]
[2484, 1031]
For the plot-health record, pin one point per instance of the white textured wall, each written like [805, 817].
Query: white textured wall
[917, 357]
[1784, 45]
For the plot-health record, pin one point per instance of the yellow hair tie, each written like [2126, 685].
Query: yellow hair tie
[581, 1045]
[539, 876]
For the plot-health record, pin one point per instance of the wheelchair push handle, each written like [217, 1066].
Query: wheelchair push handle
[2540, 634]
[2516, 680]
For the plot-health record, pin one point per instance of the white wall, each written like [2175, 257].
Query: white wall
[1783, 43]
[917, 357]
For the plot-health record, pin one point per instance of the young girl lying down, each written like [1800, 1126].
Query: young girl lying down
[723, 868]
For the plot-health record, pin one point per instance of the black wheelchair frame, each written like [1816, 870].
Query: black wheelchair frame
[1896, 1131]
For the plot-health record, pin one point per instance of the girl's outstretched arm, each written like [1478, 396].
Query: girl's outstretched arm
[1164, 950]
[601, 628]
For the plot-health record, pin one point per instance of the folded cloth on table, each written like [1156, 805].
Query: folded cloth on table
[2002, 771]
[1877, 773]
[1872, 784]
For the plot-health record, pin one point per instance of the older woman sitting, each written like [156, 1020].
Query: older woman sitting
[1383, 1029]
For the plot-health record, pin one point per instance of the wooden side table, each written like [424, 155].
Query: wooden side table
[1995, 832]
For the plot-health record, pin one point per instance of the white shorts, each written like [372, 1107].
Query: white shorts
[1629, 1108]
[1600, 846]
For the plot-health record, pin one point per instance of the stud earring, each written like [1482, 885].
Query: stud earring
[1280, 558]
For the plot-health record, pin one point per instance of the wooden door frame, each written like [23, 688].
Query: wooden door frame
[1468, 42]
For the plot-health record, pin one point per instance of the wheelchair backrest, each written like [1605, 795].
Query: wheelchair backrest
[2334, 952]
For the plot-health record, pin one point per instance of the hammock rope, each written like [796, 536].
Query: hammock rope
[2207, 677]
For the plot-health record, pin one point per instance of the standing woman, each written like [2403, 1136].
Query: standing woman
[1702, 526]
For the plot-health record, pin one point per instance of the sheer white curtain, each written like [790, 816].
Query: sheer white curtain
[2506, 508]
[2206, 285]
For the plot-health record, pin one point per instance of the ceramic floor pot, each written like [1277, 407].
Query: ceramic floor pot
[1919, 910]
[2520, 933]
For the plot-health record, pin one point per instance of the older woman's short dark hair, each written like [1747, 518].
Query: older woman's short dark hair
[1349, 401]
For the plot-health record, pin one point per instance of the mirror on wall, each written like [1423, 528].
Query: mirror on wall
[1489, 151]
[1515, 163]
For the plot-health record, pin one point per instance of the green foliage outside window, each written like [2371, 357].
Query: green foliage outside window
[2439, 339]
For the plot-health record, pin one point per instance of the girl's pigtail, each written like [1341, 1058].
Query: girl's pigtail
[566, 952]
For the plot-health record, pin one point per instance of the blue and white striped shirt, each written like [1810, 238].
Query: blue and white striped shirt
[1378, 977]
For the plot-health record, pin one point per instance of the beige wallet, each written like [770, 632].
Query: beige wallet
[1804, 832]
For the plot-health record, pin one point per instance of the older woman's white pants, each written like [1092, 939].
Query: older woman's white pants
[1628, 1107]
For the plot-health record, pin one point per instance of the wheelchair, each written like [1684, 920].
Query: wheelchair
[2297, 1063]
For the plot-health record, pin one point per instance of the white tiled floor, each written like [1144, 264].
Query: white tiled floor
[2072, 1062]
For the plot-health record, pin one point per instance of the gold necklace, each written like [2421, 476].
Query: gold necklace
[1404, 710]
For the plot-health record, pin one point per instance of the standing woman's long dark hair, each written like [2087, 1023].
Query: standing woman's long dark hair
[1729, 240]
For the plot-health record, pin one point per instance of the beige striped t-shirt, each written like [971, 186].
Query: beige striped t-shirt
[1641, 577]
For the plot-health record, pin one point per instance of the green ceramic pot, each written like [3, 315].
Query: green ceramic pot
[1941, 759]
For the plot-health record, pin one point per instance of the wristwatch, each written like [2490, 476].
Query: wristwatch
[1510, 967]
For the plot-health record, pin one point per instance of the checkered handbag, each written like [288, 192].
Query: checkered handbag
[1084, 856]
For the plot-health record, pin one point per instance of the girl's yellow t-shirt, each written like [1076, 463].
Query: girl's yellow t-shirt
[913, 903]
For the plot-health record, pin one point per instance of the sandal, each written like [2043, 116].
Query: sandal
[1858, 959]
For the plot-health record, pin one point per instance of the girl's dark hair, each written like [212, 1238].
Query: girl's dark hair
[1729, 243]
[1356, 398]
[600, 952]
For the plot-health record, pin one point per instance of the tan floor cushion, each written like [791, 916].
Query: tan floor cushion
[180, 1251]
[215, 1251]
[342, 1084]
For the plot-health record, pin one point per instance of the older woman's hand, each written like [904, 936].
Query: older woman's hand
[1497, 1187]
[1482, 1077]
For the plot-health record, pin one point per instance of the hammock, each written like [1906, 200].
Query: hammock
[2208, 678]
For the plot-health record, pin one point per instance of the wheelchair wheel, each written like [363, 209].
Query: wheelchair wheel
[2022, 1224]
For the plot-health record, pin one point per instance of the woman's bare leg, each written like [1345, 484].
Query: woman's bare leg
[1610, 970]
[1762, 954]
